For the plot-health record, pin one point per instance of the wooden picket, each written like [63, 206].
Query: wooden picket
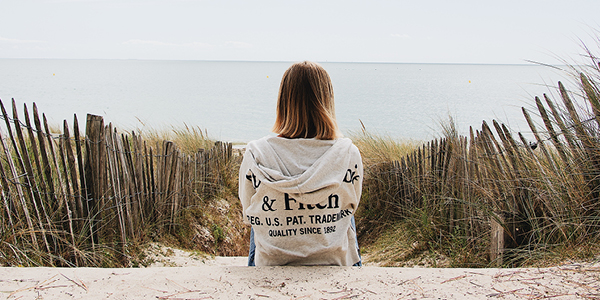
[68, 191]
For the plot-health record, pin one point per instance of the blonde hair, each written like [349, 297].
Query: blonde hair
[305, 107]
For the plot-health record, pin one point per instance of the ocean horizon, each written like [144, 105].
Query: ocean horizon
[235, 100]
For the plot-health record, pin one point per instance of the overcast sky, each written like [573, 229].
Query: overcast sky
[425, 31]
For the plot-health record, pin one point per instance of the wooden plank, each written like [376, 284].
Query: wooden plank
[72, 167]
[80, 166]
[544, 178]
[496, 239]
[8, 216]
[131, 180]
[66, 187]
[187, 182]
[165, 167]
[540, 141]
[201, 177]
[592, 96]
[30, 183]
[558, 119]
[130, 215]
[553, 136]
[161, 207]
[138, 161]
[16, 178]
[93, 138]
[515, 148]
[171, 183]
[47, 203]
[588, 140]
[47, 169]
[513, 173]
[492, 165]
[63, 184]
[24, 207]
[102, 171]
[175, 190]
[7, 196]
[147, 182]
[84, 193]
[116, 187]
[151, 179]
[7, 200]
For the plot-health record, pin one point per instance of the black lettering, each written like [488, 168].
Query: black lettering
[287, 200]
[295, 220]
[266, 206]
[252, 178]
[351, 176]
[337, 201]
[278, 233]
[254, 220]
[310, 230]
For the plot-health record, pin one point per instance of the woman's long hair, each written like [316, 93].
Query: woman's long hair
[305, 107]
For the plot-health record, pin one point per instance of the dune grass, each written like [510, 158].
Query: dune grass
[192, 202]
[439, 203]
[445, 199]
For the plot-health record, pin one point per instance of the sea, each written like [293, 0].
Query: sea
[235, 100]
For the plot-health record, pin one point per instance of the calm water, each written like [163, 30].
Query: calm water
[235, 101]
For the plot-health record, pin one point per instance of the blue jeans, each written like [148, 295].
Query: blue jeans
[252, 251]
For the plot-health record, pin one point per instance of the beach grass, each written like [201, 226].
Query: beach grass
[449, 199]
[492, 198]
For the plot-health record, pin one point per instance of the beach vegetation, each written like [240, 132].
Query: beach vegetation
[99, 199]
[493, 197]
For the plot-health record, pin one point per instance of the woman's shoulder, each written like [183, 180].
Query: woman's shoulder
[258, 142]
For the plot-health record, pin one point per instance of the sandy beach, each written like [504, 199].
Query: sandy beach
[228, 278]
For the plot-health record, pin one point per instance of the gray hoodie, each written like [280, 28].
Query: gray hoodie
[299, 195]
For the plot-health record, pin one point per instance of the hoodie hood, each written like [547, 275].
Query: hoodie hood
[300, 167]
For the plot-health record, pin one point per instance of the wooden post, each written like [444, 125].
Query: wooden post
[497, 239]
[93, 181]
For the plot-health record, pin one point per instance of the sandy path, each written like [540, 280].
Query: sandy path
[217, 280]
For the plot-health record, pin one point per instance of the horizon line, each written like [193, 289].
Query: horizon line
[525, 62]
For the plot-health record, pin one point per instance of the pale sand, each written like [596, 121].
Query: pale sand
[227, 278]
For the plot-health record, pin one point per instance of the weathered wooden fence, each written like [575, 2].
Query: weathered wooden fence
[508, 191]
[65, 193]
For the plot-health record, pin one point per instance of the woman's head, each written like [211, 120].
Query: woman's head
[305, 107]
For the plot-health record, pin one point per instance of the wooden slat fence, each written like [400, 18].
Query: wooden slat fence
[498, 190]
[65, 194]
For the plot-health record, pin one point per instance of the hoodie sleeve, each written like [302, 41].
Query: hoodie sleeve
[247, 181]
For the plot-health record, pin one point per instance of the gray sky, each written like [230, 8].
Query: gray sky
[426, 31]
